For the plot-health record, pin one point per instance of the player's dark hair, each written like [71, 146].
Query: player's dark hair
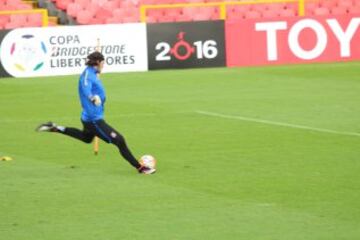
[94, 58]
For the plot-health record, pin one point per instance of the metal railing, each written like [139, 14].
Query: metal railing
[222, 6]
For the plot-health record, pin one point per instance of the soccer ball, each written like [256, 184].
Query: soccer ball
[148, 161]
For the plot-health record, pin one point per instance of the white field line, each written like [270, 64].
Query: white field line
[263, 121]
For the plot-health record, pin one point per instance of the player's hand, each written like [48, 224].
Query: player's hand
[96, 100]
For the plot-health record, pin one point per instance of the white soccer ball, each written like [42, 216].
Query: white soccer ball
[148, 161]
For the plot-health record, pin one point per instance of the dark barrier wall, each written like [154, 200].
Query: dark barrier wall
[186, 45]
[3, 73]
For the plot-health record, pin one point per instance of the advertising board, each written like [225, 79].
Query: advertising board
[30, 52]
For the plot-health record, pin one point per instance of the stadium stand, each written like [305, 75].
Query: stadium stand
[71, 12]
[120, 11]
[17, 14]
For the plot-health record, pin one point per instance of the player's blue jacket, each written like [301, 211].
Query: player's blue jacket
[90, 85]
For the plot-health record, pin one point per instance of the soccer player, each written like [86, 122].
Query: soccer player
[92, 98]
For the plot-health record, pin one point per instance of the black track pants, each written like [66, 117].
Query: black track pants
[104, 131]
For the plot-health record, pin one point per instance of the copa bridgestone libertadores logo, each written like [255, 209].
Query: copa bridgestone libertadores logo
[33, 52]
[28, 53]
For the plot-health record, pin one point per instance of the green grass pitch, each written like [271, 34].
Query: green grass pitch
[263, 153]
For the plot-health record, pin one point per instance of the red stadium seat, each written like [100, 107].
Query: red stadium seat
[127, 4]
[155, 13]
[93, 8]
[201, 17]
[310, 8]
[182, 18]
[103, 14]
[259, 7]
[34, 19]
[84, 17]
[236, 17]
[278, 7]
[345, 3]
[132, 12]
[339, 10]
[173, 12]
[355, 10]
[252, 14]
[237, 12]
[118, 13]
[111, 5]
[242, 8]
[63, 4]
[147, 2]
[73, 9]
[328, 3]
[131, 19]
[270, 14]
[4, 19]
[82, 3]
[32, 24]
[321, 11]
[11, 25]
[191, 11]
[292, 6]
[288, 13]
[18, 18]
[151, 19]
[166, 19]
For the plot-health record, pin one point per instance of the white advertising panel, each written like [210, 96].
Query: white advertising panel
[31, 52]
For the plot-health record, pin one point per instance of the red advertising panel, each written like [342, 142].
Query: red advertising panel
[292, 40]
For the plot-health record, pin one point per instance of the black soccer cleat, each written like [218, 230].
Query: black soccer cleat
[47, 127]
[146, 170]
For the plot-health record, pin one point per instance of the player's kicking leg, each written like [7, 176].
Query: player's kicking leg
[103, 131]
[47, 127]
[110, 135]
[86, 135]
